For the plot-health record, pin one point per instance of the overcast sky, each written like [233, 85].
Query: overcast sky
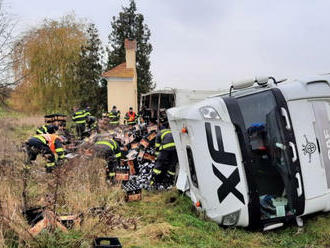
[205, 44]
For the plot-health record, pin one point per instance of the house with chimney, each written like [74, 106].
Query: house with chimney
[122, 81]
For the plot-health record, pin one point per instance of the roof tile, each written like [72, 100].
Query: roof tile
[120, 71]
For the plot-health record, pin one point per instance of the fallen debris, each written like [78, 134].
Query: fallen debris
[138, 150]
[40, 218]
[49, 221]
[33, 215]
[132, 190]
[111, 219]
[70, 221]
[56, 119]
[143, 178]
[122, 173]
[137, 145]
[107, 242]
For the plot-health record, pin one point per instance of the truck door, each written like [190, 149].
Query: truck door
[307, 121]
[322, 130]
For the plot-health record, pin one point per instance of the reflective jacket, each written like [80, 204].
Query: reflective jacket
[87, 112]
[80, 117]
[131, 118]
[164, 140]
[114, 117]
[45, 129]
[112, 146]
[53, 142]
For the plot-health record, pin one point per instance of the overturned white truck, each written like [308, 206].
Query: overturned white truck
[258, 156]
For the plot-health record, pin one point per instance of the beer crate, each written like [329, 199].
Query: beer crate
[107, 242]
[132, 191]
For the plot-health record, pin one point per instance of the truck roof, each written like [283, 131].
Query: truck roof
[293, 89]
[176, 90]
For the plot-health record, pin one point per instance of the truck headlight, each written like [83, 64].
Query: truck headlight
[231, 219]
[210, 113]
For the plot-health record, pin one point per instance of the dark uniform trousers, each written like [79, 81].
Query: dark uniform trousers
[166, 164]
[80, 129]
[34, 147]
[166, 157]
[104, 150]
[91, 122]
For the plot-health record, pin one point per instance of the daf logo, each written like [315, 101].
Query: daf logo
[309, 148]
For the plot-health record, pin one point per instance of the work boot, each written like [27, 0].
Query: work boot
[171, 179]
[50, 169]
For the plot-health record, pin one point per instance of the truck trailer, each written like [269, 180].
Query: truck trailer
[157, 102]
[259, 155]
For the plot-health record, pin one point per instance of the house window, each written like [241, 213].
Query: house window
[192, 166]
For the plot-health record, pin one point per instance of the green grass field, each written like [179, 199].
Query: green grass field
[162, 219]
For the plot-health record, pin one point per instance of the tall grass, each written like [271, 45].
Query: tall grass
[161, 219]
[13, 226]
[75, 188]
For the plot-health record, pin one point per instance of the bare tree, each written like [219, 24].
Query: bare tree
[7, 79]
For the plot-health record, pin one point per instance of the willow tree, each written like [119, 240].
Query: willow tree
[45, 59]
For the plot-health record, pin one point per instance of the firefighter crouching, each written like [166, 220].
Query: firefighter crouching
[47, 145]
[167, 158]
[47, 129]
[109, 150]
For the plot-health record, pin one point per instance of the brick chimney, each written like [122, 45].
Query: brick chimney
[130, 48]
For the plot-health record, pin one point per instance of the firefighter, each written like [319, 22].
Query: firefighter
[87, 111]
[79, 117]
[105, 120]
[48, 145]
[91, 122]
[145, 114]
[114, 116]
[167, 157]
[131, 117]
[109, 150]
[47, 129]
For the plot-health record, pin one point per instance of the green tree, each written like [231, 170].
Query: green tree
[92, 91]
[130, 24]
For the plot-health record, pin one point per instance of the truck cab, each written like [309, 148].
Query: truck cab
[258, 156]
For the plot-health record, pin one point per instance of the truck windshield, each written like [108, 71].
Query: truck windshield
[270, 153]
